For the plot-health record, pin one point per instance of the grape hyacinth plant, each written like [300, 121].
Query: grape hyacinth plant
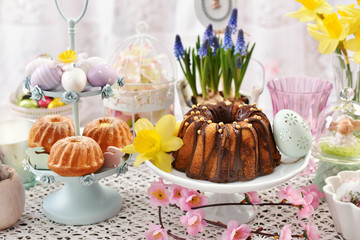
[213, 59]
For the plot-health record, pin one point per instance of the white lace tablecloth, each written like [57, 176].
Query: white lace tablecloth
[136, 213]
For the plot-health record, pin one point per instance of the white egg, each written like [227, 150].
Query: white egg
[292, 134]
[74, 80]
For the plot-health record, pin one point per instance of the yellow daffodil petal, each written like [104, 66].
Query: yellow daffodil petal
[356, 57]
[328, 46]
[130, 149]
[166, 125]
[171, 144]
[324, 8]
[140, 158]
[352, 44]
[141, 124]
[177, 128]
[147, 141]
[163, 161]
[344, 32]
[303, 15]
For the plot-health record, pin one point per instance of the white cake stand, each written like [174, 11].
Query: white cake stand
[229, 192]
[82, 200]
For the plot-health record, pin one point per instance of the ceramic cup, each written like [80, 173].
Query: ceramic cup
[13, 143]
[305, 95]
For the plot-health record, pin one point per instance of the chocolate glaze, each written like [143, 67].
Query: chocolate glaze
[229, 167]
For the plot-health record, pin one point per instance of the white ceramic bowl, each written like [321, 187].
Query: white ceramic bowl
[346, 216]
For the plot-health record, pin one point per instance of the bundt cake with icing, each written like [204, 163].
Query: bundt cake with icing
[48, 129]
[226, 142]
[75, 156]
[109, 131]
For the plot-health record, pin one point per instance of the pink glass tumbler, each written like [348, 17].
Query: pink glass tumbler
[305, 95]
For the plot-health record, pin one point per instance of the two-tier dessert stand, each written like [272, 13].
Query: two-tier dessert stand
[82, 200]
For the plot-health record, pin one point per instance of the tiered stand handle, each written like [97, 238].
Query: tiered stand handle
[71, 31]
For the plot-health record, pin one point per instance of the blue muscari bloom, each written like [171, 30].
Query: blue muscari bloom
[203, 50]
[215, 44]
[208, 34]
[233, 21]
[179, 48]
[238, 63]
[228, 43]
[240, 46]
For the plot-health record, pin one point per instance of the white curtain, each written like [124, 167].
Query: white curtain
[29, 28]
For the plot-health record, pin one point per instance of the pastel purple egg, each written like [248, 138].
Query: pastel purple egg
[34, 64]
[47, 76]
[100, 75]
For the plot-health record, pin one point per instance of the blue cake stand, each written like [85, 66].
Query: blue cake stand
[82, 200]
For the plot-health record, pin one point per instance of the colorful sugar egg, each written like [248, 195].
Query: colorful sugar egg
[47, 76]
[101, 75]
[55, 103]
[291, 133]
[28, 103]
[34, 64]
[74, 80]
[88, 63]
[44, 104]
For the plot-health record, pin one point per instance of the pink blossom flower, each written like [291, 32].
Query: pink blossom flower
[236, 232]
[292, 195]
[254, 197]
[158, 194]
[311, 168]
[175, 193]
[311, 231]
[285, 233]
[314, 191]
[194, 221]
[156, 233]
[306, 209]
[190, 199]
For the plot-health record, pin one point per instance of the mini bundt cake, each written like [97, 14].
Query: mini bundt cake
[47, 130]
[75, 156]
[109, 131]
[226, 142]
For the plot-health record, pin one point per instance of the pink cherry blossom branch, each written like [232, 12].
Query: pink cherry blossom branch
[243, 203]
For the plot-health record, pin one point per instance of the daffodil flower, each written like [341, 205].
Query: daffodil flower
[351, 15]
[310, 10]
[67, 56]
[154, 143]
[354, 45]
[329, 32]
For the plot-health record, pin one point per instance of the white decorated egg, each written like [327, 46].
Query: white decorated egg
[34, 64]
[87, 63]
[100, 75]
[292, 134]
[47, 76]
[349, 185]
[74, 80]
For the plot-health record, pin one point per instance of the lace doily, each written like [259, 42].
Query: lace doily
[136, 213]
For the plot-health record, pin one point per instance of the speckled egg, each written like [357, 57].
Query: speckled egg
[292, 134]
[101, 75]
[74, 80]
[87, 63]
[34, 64]
[47, 76]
